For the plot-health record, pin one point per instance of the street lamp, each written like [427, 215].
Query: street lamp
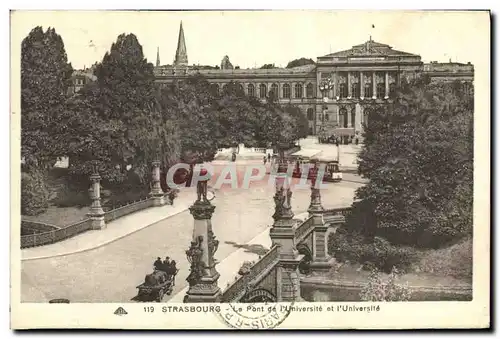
[325, 86]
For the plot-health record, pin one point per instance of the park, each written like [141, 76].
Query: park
[399, 221]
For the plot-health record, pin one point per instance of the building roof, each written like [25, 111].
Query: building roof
[369, 48]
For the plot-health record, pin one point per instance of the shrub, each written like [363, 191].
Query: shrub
[372, 253]
[34, 193]
[378, 290]
[118, 199]
[72, 198]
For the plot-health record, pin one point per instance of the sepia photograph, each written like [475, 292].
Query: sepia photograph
[197, 162]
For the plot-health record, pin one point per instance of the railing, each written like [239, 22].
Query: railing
[69, 231]
[128, 209]
[37, 227]
[339, 214]
[238, 287]
[54, 236]
[304, 229]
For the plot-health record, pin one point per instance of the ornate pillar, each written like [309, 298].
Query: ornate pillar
[361, 86]
[374, 85]
[320, 260]
[282, 233]
[203, 277]
[349, 87]
[386, 85]
[156, 191]
[96, 213]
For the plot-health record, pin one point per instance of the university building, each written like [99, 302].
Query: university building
[334, 92]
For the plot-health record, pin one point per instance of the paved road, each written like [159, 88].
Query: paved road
[111, 273]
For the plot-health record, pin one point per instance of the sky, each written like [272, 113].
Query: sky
[254, 38]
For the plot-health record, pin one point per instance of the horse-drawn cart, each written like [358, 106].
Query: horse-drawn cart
[156, 285]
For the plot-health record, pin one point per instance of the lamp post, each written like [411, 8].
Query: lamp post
[325, 86]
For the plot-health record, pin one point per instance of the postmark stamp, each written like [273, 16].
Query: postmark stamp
[255, 316]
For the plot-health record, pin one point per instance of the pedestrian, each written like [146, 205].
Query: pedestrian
[157, 264]
[166, 264]
[269, 157]
[356, 141]
[265, 160]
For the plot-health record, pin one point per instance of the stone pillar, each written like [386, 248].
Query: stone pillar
[96, 213]
[361, 86]
[374, 85]
[386, 85]
[349, 88]
[320, 260]
[336, 86]
[282, 234]
[203, 277]
[304, 90]
[319, 95]
[156, 191]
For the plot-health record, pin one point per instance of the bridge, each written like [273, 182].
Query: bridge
[297, 247]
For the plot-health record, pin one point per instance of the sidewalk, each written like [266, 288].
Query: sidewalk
[114, 230]
[229, 266]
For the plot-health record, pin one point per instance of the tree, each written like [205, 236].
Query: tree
[302, 124]
[418, 155]
[268, 66]
[118, 120]
[300, 62]
[45, 78]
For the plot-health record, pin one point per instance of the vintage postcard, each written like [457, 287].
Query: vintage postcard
[250, 169]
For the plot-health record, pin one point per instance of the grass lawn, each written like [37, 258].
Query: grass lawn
[60, 216]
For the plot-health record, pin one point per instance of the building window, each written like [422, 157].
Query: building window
[240, 89]
[274, 90]
[327, 117]
[262, 91]
[310, 90]
[343, 91]
[286, 91]
[343, 117]
[224, 89]
[380, 90]
[392, 88]
[310, 114]
[368, 90]
[320, 117]
[251, 90]
[355, 90]
[353, 117]
[215, 89]
[298, 91]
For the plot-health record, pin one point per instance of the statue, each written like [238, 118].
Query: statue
[194, 254]
[202, 187]
[279, 201]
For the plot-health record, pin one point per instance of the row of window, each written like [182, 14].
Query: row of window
[343, 121]
[356, 93]
[286, 90]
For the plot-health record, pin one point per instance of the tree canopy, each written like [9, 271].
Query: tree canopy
[300, 62]
[45, 79]
[418, 156]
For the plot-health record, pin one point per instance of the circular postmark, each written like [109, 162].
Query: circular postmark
[257, 310]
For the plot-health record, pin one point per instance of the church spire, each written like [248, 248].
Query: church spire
[181, 58]
[157, 56]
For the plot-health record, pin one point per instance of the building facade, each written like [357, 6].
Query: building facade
[333, 92]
